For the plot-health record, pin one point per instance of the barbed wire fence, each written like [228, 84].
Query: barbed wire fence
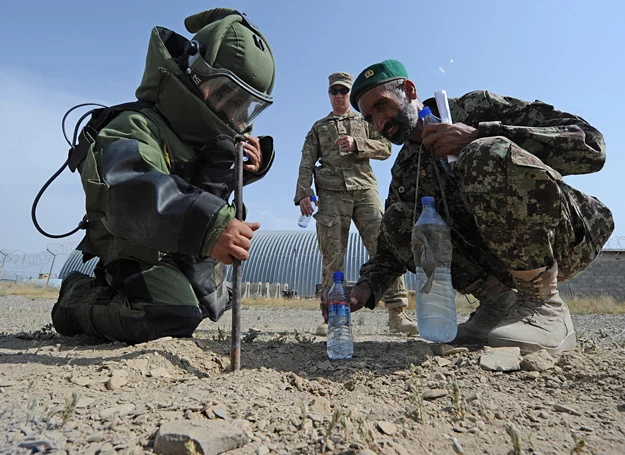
[616, 243]
[21, 264]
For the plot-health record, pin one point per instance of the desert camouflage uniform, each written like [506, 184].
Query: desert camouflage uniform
[347, 190]
[508, 204]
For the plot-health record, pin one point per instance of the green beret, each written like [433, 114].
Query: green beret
[376, 74]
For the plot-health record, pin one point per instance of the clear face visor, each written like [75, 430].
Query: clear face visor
[231, 99]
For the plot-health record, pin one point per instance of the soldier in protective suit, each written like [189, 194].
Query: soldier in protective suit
[157, 178]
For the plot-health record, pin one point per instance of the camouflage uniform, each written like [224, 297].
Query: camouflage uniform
[509, 206]
[347, 190]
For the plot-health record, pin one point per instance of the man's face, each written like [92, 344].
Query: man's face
[339, 97]
[229, 106]
[392, 114]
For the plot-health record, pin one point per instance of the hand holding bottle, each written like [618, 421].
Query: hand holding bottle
[346, 144]
[306, 209]
[448, 140]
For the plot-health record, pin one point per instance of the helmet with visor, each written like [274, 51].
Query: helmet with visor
[233, 100]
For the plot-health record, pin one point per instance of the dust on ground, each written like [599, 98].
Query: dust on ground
[398, 395]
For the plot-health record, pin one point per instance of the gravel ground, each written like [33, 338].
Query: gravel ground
[21, 314]
[398, 395]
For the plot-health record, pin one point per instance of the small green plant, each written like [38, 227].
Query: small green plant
[303, 407]
[221, 335]
[304, 339]
[361, 319]
[366, 432]
[191, 447]
[336, 417]
[32, 408]
[280, 339]
[515, 436]
[459, 403]
[579, 444]
[250, 336]
[68, 411]
[416, 396]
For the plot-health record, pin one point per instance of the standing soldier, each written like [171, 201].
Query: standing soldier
[342, 142]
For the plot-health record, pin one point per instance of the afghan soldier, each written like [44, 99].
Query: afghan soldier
[517, 228]
[343, 143]
[157, 178]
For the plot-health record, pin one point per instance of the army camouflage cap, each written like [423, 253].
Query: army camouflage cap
[341, 78]
[233, 42]
[376, 74]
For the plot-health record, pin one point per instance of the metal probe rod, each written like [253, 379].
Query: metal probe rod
[235, 344]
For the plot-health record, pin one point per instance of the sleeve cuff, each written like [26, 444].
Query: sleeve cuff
[223, 217]
[489, 129]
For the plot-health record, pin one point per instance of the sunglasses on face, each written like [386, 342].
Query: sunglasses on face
[336, 90]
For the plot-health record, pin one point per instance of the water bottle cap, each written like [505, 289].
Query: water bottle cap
[338, 276]
[428, 200]
[425, 112]
[313, 198]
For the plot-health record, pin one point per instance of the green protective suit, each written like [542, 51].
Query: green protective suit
[157, 181]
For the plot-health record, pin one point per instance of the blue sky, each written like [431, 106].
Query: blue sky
[57, 54]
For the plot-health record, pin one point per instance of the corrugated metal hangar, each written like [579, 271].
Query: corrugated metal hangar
[278, 257]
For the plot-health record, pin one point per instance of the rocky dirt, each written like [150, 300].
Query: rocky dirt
[398, 395]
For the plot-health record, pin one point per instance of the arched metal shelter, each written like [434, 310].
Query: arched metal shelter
[278, 257]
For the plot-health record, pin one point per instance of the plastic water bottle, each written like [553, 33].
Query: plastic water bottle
[427, 117]
[340, 343]
[436, 308]
[305, 219]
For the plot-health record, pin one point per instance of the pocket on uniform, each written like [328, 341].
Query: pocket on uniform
[521, 157]
[325, 220]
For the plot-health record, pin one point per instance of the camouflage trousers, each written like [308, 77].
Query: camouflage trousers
[336, 211]
[131, 302]
[509, 211]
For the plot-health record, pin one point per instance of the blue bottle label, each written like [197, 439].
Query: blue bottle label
[338, 308]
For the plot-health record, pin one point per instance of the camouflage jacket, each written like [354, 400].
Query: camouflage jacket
[336, 170]
[563, 141]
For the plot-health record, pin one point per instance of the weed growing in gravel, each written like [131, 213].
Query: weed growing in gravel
[68, 411]
[336, 417]
[366, 432]
[32, 408]
[250, 336]
[279, 340]
[191, 447]
[303, 407]
[580, 444]
[459, 403]
[515, 436]
[221, 335]
[303, 339]
[416, 396]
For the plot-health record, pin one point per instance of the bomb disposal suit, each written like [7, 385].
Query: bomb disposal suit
[157, 178]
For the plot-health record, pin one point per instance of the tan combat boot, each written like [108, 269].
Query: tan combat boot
[398, 321]
[322, 330]
[541, 320]
[496, 300]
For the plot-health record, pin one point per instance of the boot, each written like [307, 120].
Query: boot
[541, 319]
[73, 287]
[496, 300]
[398, 321]
[322, 330]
